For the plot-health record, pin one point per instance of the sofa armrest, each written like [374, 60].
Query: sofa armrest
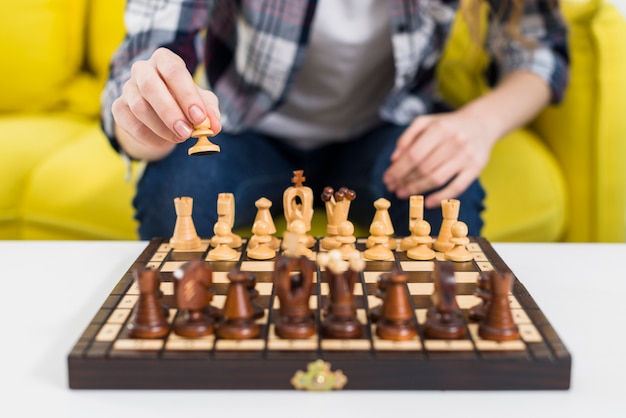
[587, 132]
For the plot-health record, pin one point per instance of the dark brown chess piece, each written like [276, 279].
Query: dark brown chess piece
[258, 310]
[444, 320]
[483, 291]
[193, 297]
[381, 290]
[238, 312]
[149, 320]
[498, 322]
[340, 320]
[396, 320]
[295, 319]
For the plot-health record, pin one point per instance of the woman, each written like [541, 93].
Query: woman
[343, 89]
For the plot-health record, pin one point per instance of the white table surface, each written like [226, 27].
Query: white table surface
[51, 290]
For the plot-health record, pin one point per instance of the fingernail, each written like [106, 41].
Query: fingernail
[196, 114]
[183, 129]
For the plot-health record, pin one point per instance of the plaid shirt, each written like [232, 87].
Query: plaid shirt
[252, 49]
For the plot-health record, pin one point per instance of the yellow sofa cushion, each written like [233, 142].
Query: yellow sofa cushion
[592, 108]
[58, 175]
[23, 150]
[42, 46]
[77, 184]
[526, 191]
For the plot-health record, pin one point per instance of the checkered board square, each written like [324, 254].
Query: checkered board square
[105, 356]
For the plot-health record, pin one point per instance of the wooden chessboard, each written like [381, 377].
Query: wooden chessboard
[106, 357]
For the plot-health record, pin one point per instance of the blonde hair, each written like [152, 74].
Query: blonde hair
[472, 9]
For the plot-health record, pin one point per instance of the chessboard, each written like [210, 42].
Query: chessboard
[110, 354]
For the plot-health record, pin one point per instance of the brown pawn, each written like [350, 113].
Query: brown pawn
[149, 320]
[295, 319]
[259, 312]
[483, 291]
[341, 320]
[238, 312]
[396, 315]
[444, 320]
[381, 291]
[193, 298]
[498, 324]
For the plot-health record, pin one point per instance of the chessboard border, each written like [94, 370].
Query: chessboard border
[550, 371]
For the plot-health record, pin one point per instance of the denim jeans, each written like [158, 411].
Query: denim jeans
[251, 166]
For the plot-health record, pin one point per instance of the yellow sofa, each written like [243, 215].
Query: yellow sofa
[561, 179]
[60, 178]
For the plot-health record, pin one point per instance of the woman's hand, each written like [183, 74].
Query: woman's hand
[159, 106]
[452, 149]
[448, 149]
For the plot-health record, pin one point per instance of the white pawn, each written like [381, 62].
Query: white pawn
[379, 239]
[346, 239]
[459, 251]
[421, 236]
[262, 237]
[298, 229]
[222, 238]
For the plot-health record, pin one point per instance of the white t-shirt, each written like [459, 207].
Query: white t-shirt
[347, 73]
